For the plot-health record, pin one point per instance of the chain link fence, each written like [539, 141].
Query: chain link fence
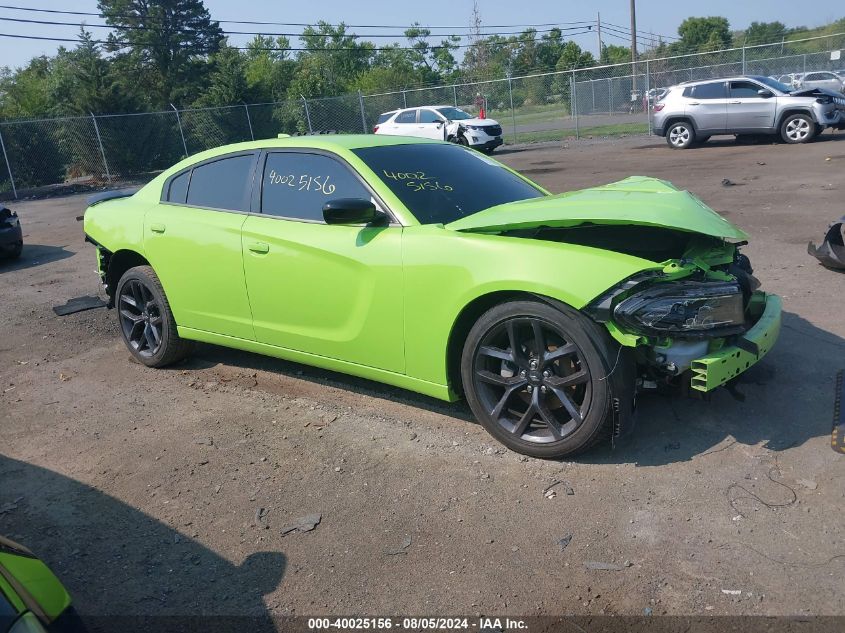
[594, 101]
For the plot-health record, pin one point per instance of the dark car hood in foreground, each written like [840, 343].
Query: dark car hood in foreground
[637, 200]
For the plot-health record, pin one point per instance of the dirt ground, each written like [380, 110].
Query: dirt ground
[167, 491]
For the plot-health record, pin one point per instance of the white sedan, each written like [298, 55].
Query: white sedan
[445, 123]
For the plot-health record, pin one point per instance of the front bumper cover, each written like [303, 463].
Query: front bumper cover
[717, 368]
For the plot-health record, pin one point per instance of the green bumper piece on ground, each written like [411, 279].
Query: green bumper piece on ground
[719, 367]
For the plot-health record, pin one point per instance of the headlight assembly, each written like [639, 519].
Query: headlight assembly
[689, 308]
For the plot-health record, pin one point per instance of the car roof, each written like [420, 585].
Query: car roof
[433, 107]
[731, 78]
[328, 142]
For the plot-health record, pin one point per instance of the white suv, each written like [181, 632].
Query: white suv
[445, 123]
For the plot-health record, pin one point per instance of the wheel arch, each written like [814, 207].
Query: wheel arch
[117, 264]
[468, 316]
[678, 118]
[796, 110]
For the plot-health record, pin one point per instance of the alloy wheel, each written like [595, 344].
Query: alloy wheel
[532, 380]
[140, 317]
[679, 135]
[798, 129]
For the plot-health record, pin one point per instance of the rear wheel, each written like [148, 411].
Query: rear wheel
[16, 251]
[680, 135]
[146, 321]
[797, 128]
[535, 377]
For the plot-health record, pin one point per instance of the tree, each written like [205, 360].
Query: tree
[699, 35]
[163, 44]
[268, 68]
[613, 54]
[83, 81]
[227, 80]
[334, 59]
[764, 33]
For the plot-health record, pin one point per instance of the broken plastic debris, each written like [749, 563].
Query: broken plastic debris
[831, 252]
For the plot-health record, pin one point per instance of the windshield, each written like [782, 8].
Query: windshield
[454, 114]
[773, 83]
[441, 183]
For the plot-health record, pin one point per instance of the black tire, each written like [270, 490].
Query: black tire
[680, 135]
[529, 415]
[797, 128]
[146, 321]
[16, 251]
[462, 140]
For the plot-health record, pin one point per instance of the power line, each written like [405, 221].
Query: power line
[354, 26]
[384, 35]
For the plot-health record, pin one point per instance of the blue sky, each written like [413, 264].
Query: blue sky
[660, 18]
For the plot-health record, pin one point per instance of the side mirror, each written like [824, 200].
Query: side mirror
[351, 211]
[766, 94]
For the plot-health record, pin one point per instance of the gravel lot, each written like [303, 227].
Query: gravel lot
[167, 491]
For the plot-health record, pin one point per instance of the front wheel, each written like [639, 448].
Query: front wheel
[535, 378]
[797, 128]
[680, 135]
[146, 321]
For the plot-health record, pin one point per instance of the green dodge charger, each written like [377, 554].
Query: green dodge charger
[432, 267]
[31, 598]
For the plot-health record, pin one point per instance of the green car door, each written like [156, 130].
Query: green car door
[329, 290]
[192, 239]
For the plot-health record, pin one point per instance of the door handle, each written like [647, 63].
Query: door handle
[259, 247]
[735, 102]
[693, 103]
[157, 228]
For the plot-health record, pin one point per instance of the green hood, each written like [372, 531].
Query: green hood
[635, 200]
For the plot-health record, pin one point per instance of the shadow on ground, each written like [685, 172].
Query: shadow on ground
[788, 400]
[117, 561]
[34, 255]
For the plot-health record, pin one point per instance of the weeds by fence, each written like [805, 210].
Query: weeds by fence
[597, 100]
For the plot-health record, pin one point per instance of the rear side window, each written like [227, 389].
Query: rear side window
[407, 117]
[223, 184]
[178, 191]
[714, 90]
[383, 117]
[296, 185]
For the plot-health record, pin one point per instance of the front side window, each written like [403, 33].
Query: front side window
[714, 90]
[409, 116]
[441, 183]
[222, 184]
[296, 185]
[454, 114]
[429, 116]
[744, 90]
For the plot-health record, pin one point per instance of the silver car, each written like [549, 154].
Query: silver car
[821, 79]
[694, 111]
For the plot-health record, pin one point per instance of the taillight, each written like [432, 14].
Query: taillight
[659, 106]
[375, 129]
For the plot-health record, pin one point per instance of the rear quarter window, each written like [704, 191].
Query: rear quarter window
[223, 184]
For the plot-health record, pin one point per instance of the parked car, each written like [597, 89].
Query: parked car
[787, 80]
[444, 123]
[428, 266]
[32, 600]
[821, 79]
[693, 111]
[11, 236]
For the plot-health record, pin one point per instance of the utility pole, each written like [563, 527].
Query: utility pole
[634, 34]
[598, 31]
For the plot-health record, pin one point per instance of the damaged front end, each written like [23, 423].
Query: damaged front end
[696, 324]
